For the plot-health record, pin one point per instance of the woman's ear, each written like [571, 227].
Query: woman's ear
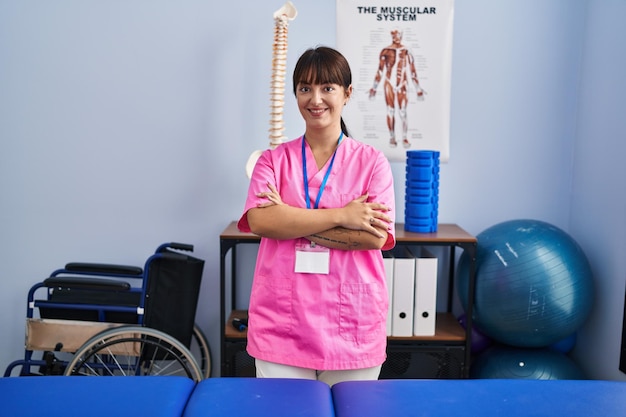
[348, 94]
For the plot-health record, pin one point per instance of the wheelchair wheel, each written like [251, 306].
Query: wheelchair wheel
[134, 351]
[201, 351]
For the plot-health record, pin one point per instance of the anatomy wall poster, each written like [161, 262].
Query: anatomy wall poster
[400, 53]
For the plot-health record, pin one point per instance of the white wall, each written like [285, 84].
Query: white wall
[598, 195]
[124, 124]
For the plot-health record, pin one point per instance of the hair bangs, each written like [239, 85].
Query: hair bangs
[321, 72]
[321, 66]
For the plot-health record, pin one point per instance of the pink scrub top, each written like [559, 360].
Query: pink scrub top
[332, 321]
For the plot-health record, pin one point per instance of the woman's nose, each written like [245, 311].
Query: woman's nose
[316, 96]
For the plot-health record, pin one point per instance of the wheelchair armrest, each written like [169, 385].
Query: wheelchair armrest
[85, 267]
[87, 283]
[175, 245]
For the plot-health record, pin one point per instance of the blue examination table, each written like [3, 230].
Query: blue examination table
[480, 398]
[52, 396]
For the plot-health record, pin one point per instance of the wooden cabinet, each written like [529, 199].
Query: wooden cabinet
[444, 355]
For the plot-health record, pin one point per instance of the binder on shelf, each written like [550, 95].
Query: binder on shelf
[388, 263]
[403, 293]
[425, 313]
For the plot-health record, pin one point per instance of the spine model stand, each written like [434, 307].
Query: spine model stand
[282, 17]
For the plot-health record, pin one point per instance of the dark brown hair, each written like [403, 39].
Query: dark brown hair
[323, 65]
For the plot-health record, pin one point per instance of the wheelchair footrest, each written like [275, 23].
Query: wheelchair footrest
[47, 334]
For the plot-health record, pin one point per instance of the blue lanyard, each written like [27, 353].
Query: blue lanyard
[305, 175]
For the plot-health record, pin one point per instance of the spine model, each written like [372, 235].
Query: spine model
[282, 17]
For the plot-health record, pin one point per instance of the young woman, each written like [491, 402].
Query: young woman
[324, 207]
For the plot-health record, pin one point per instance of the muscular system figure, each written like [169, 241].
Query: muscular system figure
[396, 65]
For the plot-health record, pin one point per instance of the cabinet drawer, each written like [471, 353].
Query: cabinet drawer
[407, 362]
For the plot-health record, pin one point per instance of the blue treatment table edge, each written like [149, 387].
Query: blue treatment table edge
[67, 396]
[480, 397]
[56, 396]
[260, 398]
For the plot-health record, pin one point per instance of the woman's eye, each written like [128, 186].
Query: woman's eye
[329, 88]
[304, 89]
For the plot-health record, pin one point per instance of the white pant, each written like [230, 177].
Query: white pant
[266, 369]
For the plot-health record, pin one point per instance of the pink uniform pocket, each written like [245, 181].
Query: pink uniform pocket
[360, 318]
[272, 304]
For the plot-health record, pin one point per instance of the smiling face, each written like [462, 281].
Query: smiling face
[322, 85]
[321, 104]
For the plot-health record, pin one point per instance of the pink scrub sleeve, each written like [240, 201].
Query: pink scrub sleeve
[262, 174]
[364, 169]
[381, 190]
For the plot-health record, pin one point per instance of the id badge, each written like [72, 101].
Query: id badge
[312, 258]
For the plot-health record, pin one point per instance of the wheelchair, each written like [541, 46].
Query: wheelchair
[96, 319]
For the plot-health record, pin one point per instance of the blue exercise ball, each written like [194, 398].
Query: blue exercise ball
[505, 362]
[534, 284]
